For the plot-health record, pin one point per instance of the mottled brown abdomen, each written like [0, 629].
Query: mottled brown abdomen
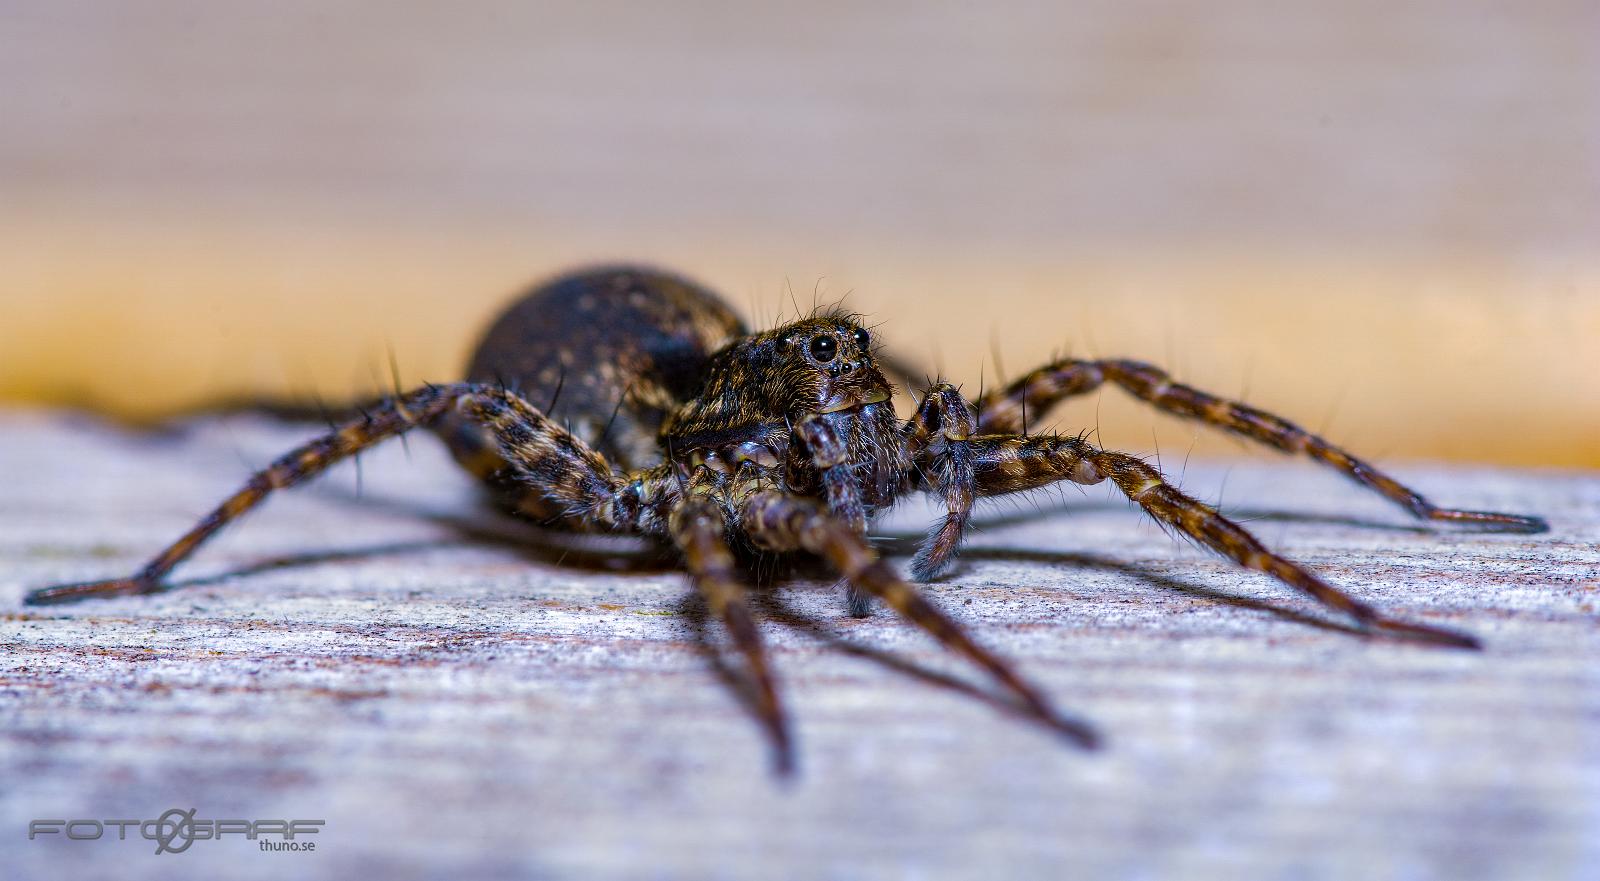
[621, 340]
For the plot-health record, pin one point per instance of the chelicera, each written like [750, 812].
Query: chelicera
[682, 425]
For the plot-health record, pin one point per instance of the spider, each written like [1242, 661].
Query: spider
[731, 445]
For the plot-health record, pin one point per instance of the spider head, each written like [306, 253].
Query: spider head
[825, 365]
[819, 365]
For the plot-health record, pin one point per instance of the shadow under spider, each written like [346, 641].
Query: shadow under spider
[566, 549]
[597, 561]
[907, 541]
[1090, 561]
[562, 549]
[768, 606]
[595, 552]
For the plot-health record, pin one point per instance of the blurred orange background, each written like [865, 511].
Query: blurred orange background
[1380, 219]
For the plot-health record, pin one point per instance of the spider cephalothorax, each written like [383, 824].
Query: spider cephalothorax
[806, 407]
[678, 424]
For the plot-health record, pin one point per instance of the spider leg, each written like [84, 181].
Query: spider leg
[777, 521]
[1007, 464]
[547, 456]
[825, 444]
[1003, 411]
[829, 453]
[937, 442]
[699, 530]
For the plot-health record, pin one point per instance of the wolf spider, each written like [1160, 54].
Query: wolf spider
[731, 444]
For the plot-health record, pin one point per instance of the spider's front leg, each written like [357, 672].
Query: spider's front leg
[1005, 411]
[544, 455]
[938, 442]
[829, 453]
[700, 532]
[781, 522]
[1006, 464]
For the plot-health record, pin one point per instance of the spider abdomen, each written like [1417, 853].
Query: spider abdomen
[608, 350]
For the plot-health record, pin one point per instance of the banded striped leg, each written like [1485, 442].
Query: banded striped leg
[1005, 411]
[829, 453]
[784, 523]
[937, 439]
[568, 472]
[825, 442]
[699, 530]
[1012, 464]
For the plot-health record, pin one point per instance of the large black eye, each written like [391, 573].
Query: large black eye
[862, 338]
[823, 348]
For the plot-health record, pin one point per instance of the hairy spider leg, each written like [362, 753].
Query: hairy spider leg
[1007, 464]
[700, 532]
[829, 453]
[938, 443]
[546, 456]
[1003, 411]
[782, 522]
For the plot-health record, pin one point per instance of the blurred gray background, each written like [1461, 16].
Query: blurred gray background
[1379, 217]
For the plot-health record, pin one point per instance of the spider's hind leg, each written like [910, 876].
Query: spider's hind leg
[1006, 464]
[1004, 411]
[545, 455]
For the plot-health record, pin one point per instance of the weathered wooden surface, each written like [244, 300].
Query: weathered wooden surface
[452, 702]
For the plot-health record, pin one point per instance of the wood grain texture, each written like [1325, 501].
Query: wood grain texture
[427, 678]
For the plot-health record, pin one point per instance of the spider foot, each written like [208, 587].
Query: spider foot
[1442, 636]
[72, 593]
[1035, 706]
[937, 554]
[783, 764]
[857, 602]
[1081, 734]
[1490, 521]
[930, 565]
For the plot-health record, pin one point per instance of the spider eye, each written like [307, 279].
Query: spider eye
[823, 348]
[862, 338]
